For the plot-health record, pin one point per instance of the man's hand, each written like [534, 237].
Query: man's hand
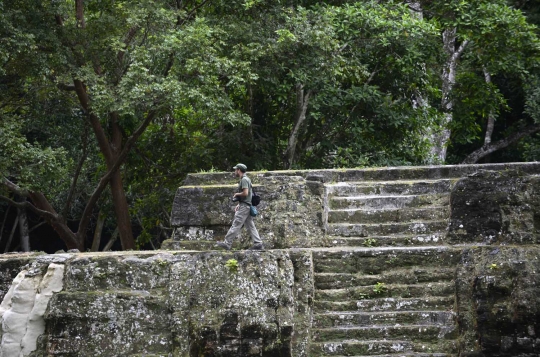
[237, 207]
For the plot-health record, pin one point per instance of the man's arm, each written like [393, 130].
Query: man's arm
[242, 194]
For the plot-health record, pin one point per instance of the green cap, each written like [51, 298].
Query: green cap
[242, 167]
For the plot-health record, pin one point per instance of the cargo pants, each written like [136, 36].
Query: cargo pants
[242, 217]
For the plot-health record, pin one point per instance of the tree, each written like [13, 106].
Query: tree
[335, 83]
[123, 64]
[473, 36]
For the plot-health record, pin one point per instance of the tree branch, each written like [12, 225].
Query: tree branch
[27, 205]
[14, 188]
[192, 12]
[128, 38]
[111, 241]
[101, 137]
[37, 226]
[460, 50]
[85, 218]
[8, 244]
[43, 208]
[492, 147]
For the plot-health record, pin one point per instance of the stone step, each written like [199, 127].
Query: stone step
[391, 318]
[387, 241]
[374, 348]
[373, 261]
[204, 245]
[405, 354]
[436, 303]
[403, 276]
[386, 290]
[388, 215]
[139, 306]
[384, 229]
[426, 333]
[389, 201]
[415, 187]
[432, 172]
[201, 245]
[355, 348]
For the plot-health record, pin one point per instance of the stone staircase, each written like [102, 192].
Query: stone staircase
[386, 288]
[391, 213]
[384, 301]
[384, 271]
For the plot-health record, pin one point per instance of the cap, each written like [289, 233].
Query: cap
[242, 167]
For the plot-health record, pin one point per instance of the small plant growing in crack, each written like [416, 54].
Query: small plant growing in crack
[232, 264]
[370, 242]
[380, 288]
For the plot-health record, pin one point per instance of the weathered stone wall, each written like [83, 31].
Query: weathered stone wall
[498, 295]
[293, 210]
[158, 304]
[498, 282]
[290, 214]
[492, 207]
[242, 303]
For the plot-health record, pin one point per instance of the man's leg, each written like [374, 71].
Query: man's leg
[239, 219]
[252, 230]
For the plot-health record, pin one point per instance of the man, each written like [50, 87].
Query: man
[241, 215]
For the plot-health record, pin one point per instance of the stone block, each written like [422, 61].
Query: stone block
[495, 207]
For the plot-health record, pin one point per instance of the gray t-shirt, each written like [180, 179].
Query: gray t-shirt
[245, 182]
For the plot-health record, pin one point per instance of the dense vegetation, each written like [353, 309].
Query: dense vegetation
[107, 104]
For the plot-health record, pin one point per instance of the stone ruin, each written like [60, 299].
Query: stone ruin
[406, 261]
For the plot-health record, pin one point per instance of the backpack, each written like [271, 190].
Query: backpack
[255, 198]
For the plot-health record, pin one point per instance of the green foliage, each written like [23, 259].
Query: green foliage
[232, 265]
[36, 167]
[222, 84]
[370, 242]
[379, 288]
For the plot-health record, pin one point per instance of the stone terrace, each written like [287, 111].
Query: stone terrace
[406, 261]
[384, 273]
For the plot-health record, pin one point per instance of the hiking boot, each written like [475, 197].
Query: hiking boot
[222, 245]
[257, 246]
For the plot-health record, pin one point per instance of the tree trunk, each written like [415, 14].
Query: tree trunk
[439, 137]
[10, 239]
[4, 222]
[111, 241]
[98, 231]
[110, 151]
[415, 8]
[491, 118]
[79, 13]
[121, 210]
[23, 227]
[117, 189]
[302, 101]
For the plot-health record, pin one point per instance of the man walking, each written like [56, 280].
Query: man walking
[242, 210]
